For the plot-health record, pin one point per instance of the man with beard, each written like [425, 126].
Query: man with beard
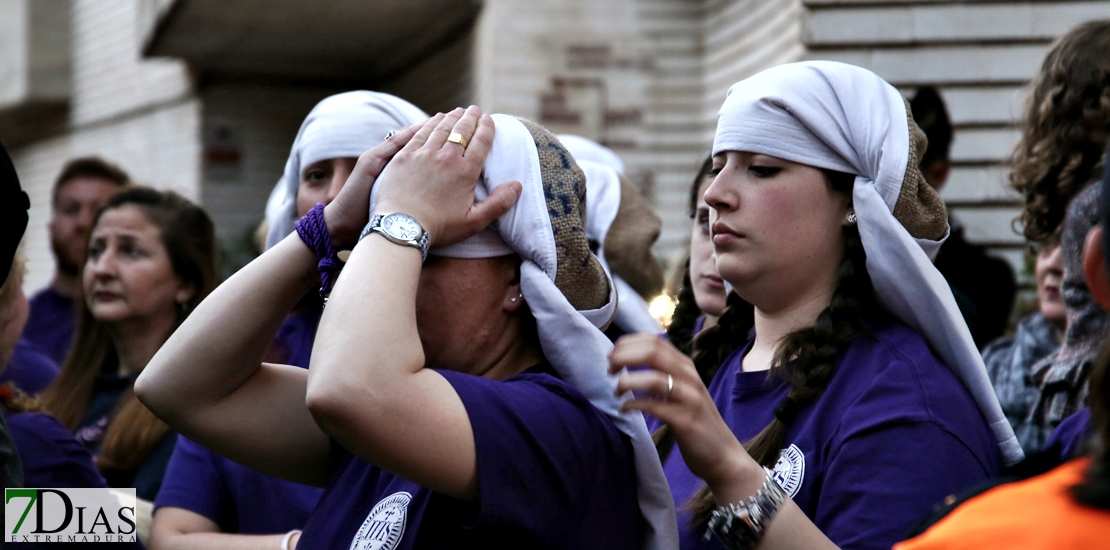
[83, 185]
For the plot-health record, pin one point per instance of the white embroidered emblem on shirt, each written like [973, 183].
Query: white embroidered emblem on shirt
[790, 470]
[385, 525]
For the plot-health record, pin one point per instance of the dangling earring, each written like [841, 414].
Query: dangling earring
[851, 217]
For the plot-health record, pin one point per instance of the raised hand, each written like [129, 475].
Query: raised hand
[675, 394]
[432, 179]
[348, 213]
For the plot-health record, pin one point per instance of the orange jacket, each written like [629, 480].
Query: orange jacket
[1038, 513]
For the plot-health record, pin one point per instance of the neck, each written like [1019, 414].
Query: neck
[513, 352]
[774, 322]
[66, 285]
[137, 341]
[517, 361]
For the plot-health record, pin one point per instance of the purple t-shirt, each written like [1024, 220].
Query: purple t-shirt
[237, 498]
[30, 369]
[894, 433]
[51, 456]
[553, 472]
[51, 323]
[1070, 437]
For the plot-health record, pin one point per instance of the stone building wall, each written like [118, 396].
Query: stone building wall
[981, 56]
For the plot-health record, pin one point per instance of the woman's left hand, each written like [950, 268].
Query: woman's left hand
[433, 179]
[708, 446]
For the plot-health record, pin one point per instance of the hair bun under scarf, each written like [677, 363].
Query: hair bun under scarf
[580, 276]
[919, 208]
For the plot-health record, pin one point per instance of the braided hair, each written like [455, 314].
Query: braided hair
[805, 358]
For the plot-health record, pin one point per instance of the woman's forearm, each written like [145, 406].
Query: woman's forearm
[220, 346]
[367, 336]
[789, 529]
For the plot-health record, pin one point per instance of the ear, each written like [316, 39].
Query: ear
[184, 293]
[1094, 267]
[513, 298]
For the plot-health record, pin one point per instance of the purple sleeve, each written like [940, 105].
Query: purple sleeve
[193, 482]
[542, 450]
[51, 456]
[880, 482]
[1070, 437]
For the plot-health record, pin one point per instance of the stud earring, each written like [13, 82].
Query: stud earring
[518, 296]
[851, 217]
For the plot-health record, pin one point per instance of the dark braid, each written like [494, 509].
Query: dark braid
[685, 318]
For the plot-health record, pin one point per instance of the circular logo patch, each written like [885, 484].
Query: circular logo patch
[385, 525]
[790, 470]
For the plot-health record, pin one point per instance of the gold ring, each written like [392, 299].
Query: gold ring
[456, 137]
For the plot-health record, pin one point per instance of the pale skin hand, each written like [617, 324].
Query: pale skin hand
[708, 446]
[208, 382]
[181, 529]
[367, 386]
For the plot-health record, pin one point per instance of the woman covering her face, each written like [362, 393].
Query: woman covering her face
[458, 401]
[151, 261]
[848, 397]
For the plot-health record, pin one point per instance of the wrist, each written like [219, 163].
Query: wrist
[342, 235]
[735, 477]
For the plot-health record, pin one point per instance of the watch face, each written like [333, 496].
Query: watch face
[401, 226]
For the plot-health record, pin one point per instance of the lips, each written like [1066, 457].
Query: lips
[713, 281]
[102, 296]
[724, 235]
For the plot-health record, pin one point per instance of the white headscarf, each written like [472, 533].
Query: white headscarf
[603, 200]
[571, 340]
[342, 125]
[841, 117]
[587, 149]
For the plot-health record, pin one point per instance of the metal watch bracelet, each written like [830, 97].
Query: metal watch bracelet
[740, 526]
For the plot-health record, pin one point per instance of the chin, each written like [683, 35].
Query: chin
[109, 314]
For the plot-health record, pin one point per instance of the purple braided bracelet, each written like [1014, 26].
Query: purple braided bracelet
[314, 233]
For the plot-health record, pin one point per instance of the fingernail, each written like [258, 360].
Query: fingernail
[518, 188]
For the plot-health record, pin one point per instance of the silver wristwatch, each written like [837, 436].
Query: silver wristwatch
[741, 526]
[401, 229]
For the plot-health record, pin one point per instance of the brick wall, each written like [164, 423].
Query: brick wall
[138, 113]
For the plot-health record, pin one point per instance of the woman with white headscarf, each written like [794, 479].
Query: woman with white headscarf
[207, 500]
[457, 395]
[859, 399]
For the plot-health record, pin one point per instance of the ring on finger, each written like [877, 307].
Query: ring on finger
[391, 134]
[670, 387]
[458, 138]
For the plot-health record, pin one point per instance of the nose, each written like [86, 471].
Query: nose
[102, 266]
[338, 179]
[85, 218]
[718, 196]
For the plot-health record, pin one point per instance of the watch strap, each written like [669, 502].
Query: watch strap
[375, 225]
[741, 526]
